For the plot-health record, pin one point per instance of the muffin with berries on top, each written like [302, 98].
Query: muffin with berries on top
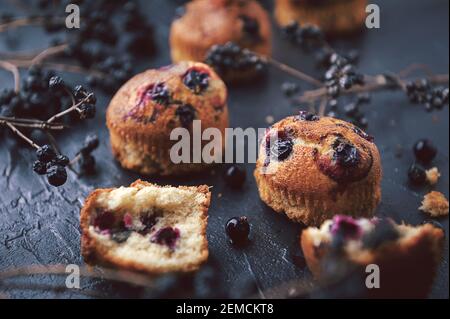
[332, 16]
[148, 108]
[312, 168]
[206, 23]
[407, 257]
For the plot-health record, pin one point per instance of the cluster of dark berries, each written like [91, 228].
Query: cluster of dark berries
[433, 98]
[425, 152]
[309, 37]
[341, 75]
[50, 164]
[229, 58]
[111, 32]
[86, 161]
[36, 98]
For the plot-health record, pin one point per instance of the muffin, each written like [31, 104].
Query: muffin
[313, 168]
[146, 109]
[146, 227]
[206, 23]
[407, 256]
[332, 16]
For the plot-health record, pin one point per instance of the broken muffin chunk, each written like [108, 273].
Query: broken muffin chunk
[146, 227]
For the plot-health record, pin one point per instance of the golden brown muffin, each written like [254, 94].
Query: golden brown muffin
[332, 16]
[209, 22]
[143, 113]
[146, 227]
[407, 256]
[312, 168]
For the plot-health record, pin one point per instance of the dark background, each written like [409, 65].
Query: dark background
[39, 224]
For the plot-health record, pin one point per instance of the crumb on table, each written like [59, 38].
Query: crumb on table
[433, 175]
[435, 204]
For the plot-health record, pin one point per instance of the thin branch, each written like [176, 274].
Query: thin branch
[47, 53]
[21, 135]
[28, 21]
[15, 72]
[293, 72]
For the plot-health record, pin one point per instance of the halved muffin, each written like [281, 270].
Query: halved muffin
[146, 227]
[407, 256]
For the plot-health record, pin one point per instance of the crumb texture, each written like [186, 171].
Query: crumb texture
[435, 204]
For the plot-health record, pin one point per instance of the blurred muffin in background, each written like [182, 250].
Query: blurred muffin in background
[205, 23]
[332, 16]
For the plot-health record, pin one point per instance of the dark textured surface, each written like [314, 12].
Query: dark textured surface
[39, 224]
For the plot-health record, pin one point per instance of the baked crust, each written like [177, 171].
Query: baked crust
[299, 187]
[407, 267]
[140, 128]
[94, 253]
[209, 22]
[333, 17]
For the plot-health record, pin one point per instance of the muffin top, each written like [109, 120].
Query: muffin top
[310, 154]
[162, 99]
[208, 22]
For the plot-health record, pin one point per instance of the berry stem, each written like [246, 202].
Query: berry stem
[376, 83]
[19, 122]
[22, 22]
[47, 53]
[293, 72]
[69, 110]
[15, 72]
[21, 135]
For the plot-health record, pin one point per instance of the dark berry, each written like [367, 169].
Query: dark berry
[56, 83]
[196, 80]
[289, 88]
[79, 92]
[105, 220]
[238, 230]
[384, 231]
[345, 153]
[40, 167]
[345, 226]
[306, 116]
[250, 27]
[62, 160]
[166, 236]
[121, 237]
[159, 93]
[417, 175]
[235, 176]
[148, 220]
[45, 154]
[87, 164]
[56, 175]
[186, 115]
[87, 111]
[425, 151]
[91, 142]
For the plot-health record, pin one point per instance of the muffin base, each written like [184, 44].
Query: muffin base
[339, 17]
[358, 199]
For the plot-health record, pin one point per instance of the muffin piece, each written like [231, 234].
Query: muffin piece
[313, 168]
[435, 204]
[407, 256]
[147, 108]
[332, 16]
[206, 23]
[146, 227]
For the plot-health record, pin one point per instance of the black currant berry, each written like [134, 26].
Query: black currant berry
[235, 176]
[62, 160]
[417, 175]
[90, 143]
[425, 151]
[87, 111]
[87, 164]
[345, 153]
[309, 117]
[45, 154]
[238, 230]
[56, 83]
[56, 175]
[39, 167]
[196, 80]
[186, 115]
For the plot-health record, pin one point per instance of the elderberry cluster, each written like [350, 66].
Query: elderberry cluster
[308, 37]
[230, 57]
[352, 110]
[110, 34]
[50, 164]
[342, 75]
[433, 98]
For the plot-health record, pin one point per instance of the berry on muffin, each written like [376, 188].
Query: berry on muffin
[143, 113]
[206, 23]
[407, 257]
[313, 168]
[332, 16]
[146, 227]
